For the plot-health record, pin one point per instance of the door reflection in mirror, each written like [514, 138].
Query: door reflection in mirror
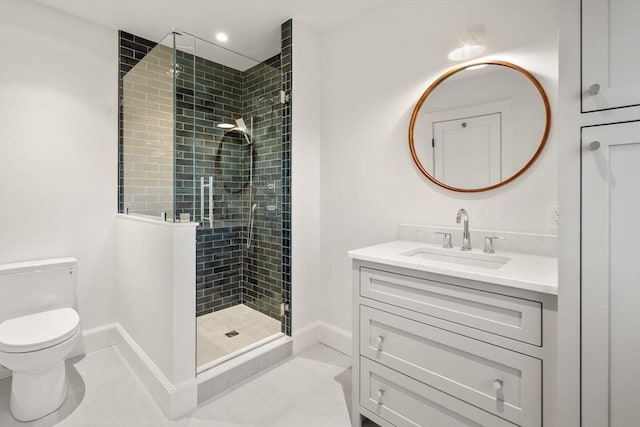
[478, 128]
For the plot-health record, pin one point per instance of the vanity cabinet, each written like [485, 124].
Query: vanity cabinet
[438, 350]
[610, 55]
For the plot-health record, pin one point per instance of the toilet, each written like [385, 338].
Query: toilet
[39, 327]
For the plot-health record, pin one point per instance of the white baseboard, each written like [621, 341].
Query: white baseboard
[323, 332]
[306, 336]
[336, 338]
[175, 400]
[96, 339]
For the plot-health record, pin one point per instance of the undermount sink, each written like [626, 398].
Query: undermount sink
[456, 256]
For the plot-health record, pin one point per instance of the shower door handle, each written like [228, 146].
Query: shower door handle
[211, 201]
[203, 187]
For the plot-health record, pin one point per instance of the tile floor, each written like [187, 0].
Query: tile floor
[311, 389]
[252, 326]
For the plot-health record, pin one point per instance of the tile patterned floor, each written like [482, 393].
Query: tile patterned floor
[252, 326]
[312, 389]
[102, 392]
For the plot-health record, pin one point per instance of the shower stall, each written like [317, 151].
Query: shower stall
[203, 139]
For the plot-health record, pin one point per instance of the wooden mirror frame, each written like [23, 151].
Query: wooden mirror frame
[442, 78]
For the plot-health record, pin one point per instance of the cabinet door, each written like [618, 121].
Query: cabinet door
[610, 54]
[610, 275]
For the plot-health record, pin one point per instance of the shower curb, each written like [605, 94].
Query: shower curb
[224, 377]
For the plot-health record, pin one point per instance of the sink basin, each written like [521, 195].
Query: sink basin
[456, 256]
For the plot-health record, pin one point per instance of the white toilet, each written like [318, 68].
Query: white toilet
[39, 327]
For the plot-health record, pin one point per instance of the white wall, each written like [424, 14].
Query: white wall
[58, 146]
[374, 69]
[305, 186]
[155, 275]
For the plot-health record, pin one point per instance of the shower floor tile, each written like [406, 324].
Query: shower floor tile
[251, 326]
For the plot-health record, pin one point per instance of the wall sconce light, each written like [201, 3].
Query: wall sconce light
[471, 47]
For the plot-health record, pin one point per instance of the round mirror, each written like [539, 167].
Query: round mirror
[232, 160]
[479, 126]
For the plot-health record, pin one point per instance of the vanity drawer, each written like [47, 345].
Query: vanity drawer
[462, 367]
[403, 401]
[503, 315]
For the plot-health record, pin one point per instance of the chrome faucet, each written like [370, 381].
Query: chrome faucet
[466, 237]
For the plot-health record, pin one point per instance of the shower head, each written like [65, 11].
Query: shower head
[242, 127]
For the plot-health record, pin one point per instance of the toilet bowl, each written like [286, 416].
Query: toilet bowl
[39, 327]
[34, 348]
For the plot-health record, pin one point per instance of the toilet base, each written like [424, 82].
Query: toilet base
[35, 394]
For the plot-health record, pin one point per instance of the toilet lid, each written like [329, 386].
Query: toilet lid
[38, 331]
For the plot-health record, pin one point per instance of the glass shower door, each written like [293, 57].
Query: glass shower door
[237, 163]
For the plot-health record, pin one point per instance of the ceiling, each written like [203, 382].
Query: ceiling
[253, 26]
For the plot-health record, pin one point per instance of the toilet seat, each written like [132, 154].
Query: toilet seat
[38, 331]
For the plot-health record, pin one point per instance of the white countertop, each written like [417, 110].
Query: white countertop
[530, 272]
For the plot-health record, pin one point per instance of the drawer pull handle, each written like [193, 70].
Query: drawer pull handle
[380, 339]
[498, 384]
[380, 393]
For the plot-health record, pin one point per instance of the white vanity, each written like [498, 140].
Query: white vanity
[444, 337]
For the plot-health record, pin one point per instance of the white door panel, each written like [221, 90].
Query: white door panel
[611, 275]
[610, 53]
[467, 151]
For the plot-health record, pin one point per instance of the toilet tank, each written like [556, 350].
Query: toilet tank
[34, 286]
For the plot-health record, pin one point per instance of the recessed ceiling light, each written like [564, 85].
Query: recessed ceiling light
[225, 125]
[222, 37]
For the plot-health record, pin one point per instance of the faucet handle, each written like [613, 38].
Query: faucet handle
[447, 239]
[488, 243]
